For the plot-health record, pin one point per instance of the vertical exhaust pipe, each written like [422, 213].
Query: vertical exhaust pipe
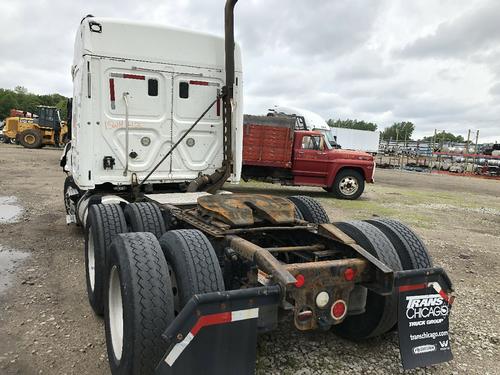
[215, 181]
[228, 94]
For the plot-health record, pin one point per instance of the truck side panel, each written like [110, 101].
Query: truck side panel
[267, 144]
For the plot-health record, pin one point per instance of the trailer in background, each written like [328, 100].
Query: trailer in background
[354, 139]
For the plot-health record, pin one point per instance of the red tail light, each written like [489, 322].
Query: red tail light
[300, 280]
[349, 274]
[339, 309]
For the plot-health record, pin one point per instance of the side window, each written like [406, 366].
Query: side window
[184, 90]
[311, 142]
[152, 87]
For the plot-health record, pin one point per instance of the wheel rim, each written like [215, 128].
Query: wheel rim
[91, 259]
[29, 139]
[115, 309]
[348, 185]
[175, 290]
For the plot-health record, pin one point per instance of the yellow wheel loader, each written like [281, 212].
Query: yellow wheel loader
[43, 128]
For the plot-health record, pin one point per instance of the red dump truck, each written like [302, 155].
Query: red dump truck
[275, 151]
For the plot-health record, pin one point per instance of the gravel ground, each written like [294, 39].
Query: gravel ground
[47, 326]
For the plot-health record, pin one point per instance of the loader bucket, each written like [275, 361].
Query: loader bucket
[423, 316]
[216, 333]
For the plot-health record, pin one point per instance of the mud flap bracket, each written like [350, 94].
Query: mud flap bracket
[216, 333]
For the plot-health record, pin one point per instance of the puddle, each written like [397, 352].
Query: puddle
[9, 261]
[10, 211]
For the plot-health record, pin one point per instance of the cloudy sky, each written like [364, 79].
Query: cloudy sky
[433, 62]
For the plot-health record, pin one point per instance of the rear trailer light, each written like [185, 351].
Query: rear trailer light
[349, 274]
[339, 309]
[322, 299]
[299, 281]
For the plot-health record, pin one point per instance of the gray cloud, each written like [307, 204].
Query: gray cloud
[475, 30]
[340, 58]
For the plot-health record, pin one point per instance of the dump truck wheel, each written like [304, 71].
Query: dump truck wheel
[311, 210]
[31, 138]
[411, 250]
[104, 222]
[194, 265]
[380, 311]
[145, 217]
[348, 184]
[139, 304]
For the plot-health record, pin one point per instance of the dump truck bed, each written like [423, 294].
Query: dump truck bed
[268, 141]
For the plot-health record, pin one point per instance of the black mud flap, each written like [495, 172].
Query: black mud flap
[424, 307]
[216, 333]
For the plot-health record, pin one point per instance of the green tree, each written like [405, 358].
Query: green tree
[7, 102]
[444, 137]
[20, 90]
[352, 124]
[398, 130]
[21, 99]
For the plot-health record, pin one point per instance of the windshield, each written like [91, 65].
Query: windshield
[330, 138]
[327, 143]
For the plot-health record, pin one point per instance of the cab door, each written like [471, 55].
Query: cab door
[311, 163]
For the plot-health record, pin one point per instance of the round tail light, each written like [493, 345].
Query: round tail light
[349, 274]
[339, 309]
[299, 281]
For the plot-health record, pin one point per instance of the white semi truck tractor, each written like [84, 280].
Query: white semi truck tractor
[186, 275]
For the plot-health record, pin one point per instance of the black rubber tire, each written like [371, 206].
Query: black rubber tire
[104, 222]
[33, 132]
[147, 303]
[194, 263]
[311, 210]
[335, 188]
[411, 250]
[145, 217]
[381, 311]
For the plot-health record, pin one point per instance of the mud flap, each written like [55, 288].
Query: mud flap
[424, 306]
[216, 333]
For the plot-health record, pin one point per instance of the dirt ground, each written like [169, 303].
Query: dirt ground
[47, 326]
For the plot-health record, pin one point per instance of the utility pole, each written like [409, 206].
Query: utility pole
[467, 151]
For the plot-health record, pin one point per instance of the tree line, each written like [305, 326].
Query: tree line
[21, 99]
[397, 131]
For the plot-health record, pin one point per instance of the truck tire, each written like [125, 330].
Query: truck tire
[194, 265]
[311, 210]
[104, 222]
[348, 184]
[411, 250]
[145, 217]
[139, 304]
[381, 311]
[31, 138]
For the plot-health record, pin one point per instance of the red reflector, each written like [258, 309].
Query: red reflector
[134, 76]
[349, 274]
[112, 89]
[339, 309]
[218, 106]
[210, 320]
[300, 280]
[199, 83]
[407, 288]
